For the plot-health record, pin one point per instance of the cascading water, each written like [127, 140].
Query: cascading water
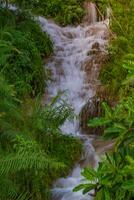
[91, 12]
[72, 50]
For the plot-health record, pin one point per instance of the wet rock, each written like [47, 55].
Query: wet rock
[97, 58]
[93, 109]
[95, 49]
[92, 66]
[96, 45]
[101, 30]
[69, 35]
[90, 110]
[102, 146]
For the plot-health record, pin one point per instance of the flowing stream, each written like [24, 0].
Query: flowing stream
[73, 47]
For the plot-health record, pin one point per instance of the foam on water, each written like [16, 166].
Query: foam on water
[72, 46]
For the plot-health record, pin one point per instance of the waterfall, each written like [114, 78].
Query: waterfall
[72, 51]
[91, 13]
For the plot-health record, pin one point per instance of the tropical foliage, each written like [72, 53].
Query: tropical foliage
[22, 45]
[30, 155]
[64, 12]
[120, 48]
[114, 177]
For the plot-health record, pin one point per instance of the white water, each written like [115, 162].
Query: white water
[72, 51]
[91, 12]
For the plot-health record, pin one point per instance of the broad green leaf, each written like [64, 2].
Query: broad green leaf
[107, 109]
[128, 185]
[105, 181]
[80, 187]
[98, 122]
[106, 194]
[89, 174]
[129, 80]
[130, 160]
[89, 188]
[129, 65]
[99, 195]
[112, 130]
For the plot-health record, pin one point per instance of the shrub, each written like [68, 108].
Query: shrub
[23, 45]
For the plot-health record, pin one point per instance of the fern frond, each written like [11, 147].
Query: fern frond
[28, 156]
[7, 188]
